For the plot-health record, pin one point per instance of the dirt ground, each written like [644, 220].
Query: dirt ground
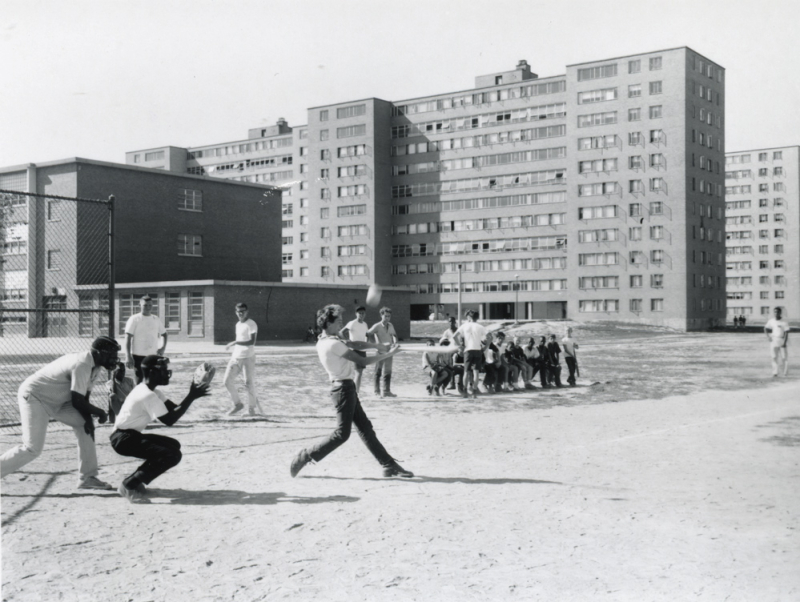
[671, 473]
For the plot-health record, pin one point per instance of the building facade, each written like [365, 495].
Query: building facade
[593, 195]
[762, 223]
[168, 227]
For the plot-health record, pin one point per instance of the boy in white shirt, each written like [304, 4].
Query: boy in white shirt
[777, 331]
[243, 360]
[143, 405]
[472, 337]
[339, 360]
[143, 331]
[356, 330]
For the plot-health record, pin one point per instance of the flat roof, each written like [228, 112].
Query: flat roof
[755, 150]
[616, 58]
[151, 170]
[179, 283]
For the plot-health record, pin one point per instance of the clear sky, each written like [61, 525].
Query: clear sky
[97, 78]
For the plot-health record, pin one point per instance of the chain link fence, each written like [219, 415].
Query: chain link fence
[56, 281]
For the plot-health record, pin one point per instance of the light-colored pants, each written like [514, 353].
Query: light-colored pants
[780, 355]
[247, 366]
[34, 418]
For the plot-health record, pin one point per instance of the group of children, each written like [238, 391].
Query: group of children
[506, 365]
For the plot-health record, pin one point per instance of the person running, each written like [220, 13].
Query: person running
[142, 334]
[60, 391]
[570, 355]
[383, 332]
[472, 337]
[243, 361]
[339, 361]
[777, 331]
[143, 405]
[356, 330]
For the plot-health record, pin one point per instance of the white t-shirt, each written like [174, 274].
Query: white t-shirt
[52, 385]
[145, 331]
[244, 332]
[357, 331]
[141, 407]
[568, 344]
[473, 334]
[779, 328]
[330, 351]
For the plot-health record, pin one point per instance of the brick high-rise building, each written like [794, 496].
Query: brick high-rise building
[593, 195]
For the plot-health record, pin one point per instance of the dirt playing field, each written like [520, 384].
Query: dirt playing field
[671, 473]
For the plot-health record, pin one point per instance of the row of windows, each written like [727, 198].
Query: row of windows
[612, 305]
[746, 188]
[657, 137]
[428, 146]
[513, 200]
[355, 150]
[479, 98]
[747, 173]
[742, 311]
[492, 223]
[745, 158]
[533, 243]
[129, 305]
[542, 154]
[235, 149]
[426, 288]
[345, 112]
[549, 111]
[497, 265]
[762, 265]
[707, 117]
[536, 178]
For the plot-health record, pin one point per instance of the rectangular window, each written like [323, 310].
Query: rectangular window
[325, 154]
[636, 281]
[606, 118]
[324, 135]
[636, 305]
[597, 96]
[600, 72]
[304, 237]
[303, 272]
[154, 156]
[286, 258]
[634, 114]
[348, 210]
[324, 212]
[655, 88]
[172, 311]
[634, 91]
[351, 130]
[54, 259]
[655, 112]
[324, 233]
[656, 304]
[635, 138]
[657, 280]
[190, 245]
[323, 115]
[634, 66]
[196, 313]
[190, 200]
[353, 111]
[655, 63]
[287, 273]
[54, 208]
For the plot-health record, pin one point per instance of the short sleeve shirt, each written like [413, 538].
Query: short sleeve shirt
[779, 328]
[330, 351]
[474, 335]
[141, 407]
[357, 331]
[383, 333]
[568, 344]
[145, 331]
[52, 385]
[244, 332]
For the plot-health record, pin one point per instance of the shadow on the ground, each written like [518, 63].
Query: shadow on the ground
[790, 437]
[225, 497]
[465, 480]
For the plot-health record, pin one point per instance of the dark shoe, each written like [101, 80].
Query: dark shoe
[430, 390]
[395, 470]
[299, 461]
[388, 394]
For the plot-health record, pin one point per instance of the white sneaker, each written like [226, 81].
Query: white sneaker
[94, 483]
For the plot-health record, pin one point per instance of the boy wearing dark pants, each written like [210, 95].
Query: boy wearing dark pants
[144, 404]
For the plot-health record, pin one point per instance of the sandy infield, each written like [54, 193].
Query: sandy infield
[530, 496]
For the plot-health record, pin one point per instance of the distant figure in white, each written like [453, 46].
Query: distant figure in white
[356, 330]
[143, 332]
[777, 331]
[243, 360]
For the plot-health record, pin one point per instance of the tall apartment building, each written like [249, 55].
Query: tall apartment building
[762, 198]
[597, 194]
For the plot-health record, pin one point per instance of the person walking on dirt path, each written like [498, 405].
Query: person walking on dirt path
[777, 331]
[142, 334]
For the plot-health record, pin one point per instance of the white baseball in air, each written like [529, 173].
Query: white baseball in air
[374, 295]
[204, 374]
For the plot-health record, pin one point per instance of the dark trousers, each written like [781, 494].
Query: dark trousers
[137, 368]
[160, 453]
[348, 413]
[540, 367]
[571, 365]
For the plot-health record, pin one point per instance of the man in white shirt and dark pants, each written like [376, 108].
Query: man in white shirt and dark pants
[472, 337]
[243, 360]
[339, 360]
[142, 334]
[143, 405]
[777, 331]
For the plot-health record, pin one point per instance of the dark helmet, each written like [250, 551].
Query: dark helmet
[157, 364]
[107, 350]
